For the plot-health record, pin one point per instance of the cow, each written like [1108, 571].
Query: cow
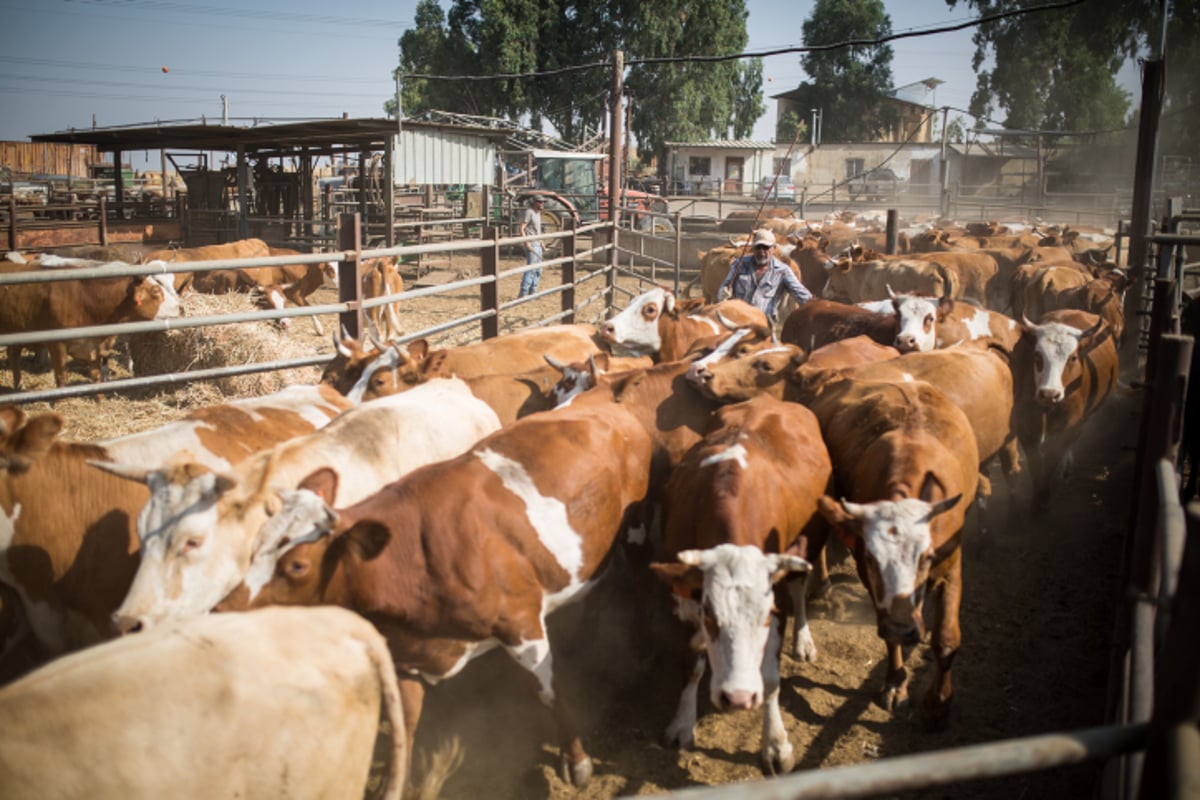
[1064, 367]
[926, 323]
[1034, 286]
[1103, 295]
[69, 564]
[54, 305]
[196, 709]
[392, 368]
[740, 514]
[819, 322]
[906, 465]
[785, 372]
[380, 277]
[472, 553]
[273, 286]
[854, 282]
[212, 281]
[655, 324]
[199, 529]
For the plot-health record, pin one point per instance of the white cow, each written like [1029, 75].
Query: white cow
[200, 529]
[282, 702]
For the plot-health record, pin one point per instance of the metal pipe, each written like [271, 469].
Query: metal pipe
[942, 768]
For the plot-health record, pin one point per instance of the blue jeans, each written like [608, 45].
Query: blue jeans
[529, 281]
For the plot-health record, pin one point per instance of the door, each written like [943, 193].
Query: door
[734, 168]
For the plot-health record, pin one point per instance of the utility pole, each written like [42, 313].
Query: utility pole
[615, 149]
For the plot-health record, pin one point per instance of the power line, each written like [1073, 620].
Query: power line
[177, 88]
[632, 62]
[85, 65]
[164, 6]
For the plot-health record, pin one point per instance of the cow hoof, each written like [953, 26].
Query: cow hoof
[804, 649]
[820, 591]
[894, 698]
[777, 761]
[576, 774]
[680, 738]
[935, 715]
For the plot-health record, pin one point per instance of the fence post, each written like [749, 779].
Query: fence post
[103, 221]
[893, 233]
[489, 293]
[570, 247]
[678, 220]
[12, 221]
[349, 230]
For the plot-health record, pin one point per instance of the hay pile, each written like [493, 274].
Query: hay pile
[190, 349]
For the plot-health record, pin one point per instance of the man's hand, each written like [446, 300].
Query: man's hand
[724, 293]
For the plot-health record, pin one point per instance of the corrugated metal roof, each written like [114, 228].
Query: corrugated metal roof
[727, 144]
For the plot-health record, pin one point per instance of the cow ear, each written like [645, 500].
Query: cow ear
[944, 307]
[35, 439]
[683, 577]
[323, 483]
[668, 302]
[435, 365]
[366, 539]
[418, 349]
[785, 564]
[833, 512]
[11, 418]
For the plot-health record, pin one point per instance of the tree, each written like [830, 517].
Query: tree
[1056, 70]
[788, 125]
[683, 100]
[848, 84]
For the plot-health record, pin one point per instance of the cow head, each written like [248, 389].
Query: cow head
[765, 371]
[1055, 357]
[637, 327]
[916, 321]
[577, 377]
[733, 616]
[893, 543]
[738, 344]
[396, 370]
[197, 534]
[344, 370]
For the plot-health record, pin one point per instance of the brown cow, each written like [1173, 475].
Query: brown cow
[473, 553]
[905, 461]
[54, 305]
[1063, 369]
[1103, 296]
[214, 281]
[740, 512]
[71, 563]
[819, 322]
[380, 277]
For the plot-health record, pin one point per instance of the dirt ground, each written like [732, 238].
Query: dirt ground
[1037, 620]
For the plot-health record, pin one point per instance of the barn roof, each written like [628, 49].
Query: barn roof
[727, 144]
[316, 137]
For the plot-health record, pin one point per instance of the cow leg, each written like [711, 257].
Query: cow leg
[895, 686]
[681, 733]
[946, 640]
[58, 362]
[412, 698]
[804, 648]
[14, 363]
[778, 756]
[534, 655]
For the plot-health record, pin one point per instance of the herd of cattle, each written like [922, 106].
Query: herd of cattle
[457, 497]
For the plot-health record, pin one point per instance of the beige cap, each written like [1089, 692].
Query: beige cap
[763, 236]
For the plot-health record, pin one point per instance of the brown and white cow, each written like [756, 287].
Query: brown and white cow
[740, 514]
[906, 464]
[819, 322]
[381, 277]
[1064, 367]
[394, 368]
[198, 710]
[1103, 295]
[54, 305]
[71, 563]
[857, 281]
[200, 530]
[655, 324]
[927, 323]
[213, 281]
[276, 285]
[466, 555]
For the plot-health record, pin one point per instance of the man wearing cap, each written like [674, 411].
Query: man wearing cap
[531, 225]
[761, 279]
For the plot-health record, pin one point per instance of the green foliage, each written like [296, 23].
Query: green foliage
[788, 125]
[1056, 70]
[848, 84]
[667, 101]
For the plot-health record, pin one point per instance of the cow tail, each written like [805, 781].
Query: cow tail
[389, 698]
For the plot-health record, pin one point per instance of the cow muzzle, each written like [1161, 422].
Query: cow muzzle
[1049, 397]
[740, 700]
[125, 624]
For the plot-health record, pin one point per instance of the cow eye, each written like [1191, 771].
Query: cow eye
[191, 544]
[296, 568]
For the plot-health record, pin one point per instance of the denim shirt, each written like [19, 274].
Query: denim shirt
[765, 293]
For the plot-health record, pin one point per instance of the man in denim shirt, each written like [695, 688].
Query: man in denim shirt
[761, 279]
[531, 225]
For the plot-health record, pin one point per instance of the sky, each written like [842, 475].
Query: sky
[75, 63]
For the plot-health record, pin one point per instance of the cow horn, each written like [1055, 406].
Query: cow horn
[126, 471]
[726, 322]
[373, 335]
[853, 509]
[1025, 321]
[554, 362]
[891, 293]
[341, 348]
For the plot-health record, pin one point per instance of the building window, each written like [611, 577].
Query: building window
[854, 167]
[699, 165]
[782, 167]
